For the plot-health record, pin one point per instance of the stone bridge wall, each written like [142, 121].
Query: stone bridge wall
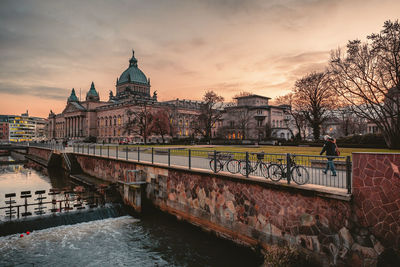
[332, 227]
[43, 153]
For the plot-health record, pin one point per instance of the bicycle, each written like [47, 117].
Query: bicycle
[252, 167]
[232, 165]
[299, 174]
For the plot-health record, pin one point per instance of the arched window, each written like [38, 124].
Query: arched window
[115, 121]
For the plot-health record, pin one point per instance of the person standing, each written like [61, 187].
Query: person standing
[330, 149]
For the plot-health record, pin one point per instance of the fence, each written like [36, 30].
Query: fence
[61, 201]
[289, 168]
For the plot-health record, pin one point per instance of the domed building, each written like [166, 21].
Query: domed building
[132, 84]
[105, 121]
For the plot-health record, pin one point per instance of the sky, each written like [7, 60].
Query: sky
[185, 47]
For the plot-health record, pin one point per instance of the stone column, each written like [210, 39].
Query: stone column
[79, 126]
[73, 127]
[76, 126]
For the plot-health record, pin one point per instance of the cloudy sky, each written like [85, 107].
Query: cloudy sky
[184, 46]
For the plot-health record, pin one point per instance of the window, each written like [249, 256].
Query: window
[115, 121]
[232, 124]
[259, 123]
[273, 123]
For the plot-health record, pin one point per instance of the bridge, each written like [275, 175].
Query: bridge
[358, 217]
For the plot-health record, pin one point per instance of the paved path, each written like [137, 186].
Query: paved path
[200, 160]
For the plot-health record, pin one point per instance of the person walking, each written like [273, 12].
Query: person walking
[330, 149]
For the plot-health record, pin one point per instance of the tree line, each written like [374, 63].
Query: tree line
[363, 80]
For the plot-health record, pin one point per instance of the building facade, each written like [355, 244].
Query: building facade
[252, 118]
[23, 128]
[106, 121]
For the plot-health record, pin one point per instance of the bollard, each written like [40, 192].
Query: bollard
[152, 155]
[169, 157]
[116, 152]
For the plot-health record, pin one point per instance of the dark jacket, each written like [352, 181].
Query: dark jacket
[329, 147]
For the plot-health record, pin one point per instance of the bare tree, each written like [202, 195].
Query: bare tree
[139, 121]
[244, 117]
[297, 118]
[161, 123]
[315, 97]
[367, 76]
[210, 113]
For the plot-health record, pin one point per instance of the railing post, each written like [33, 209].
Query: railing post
[94, 150]
[169, 157]
[138, 153]
[116, 151]
[348, 174]
[108, 151]
[152, 155]
[288, 167]
[247, 164]
[88, 149]
[126, 152]
[190, 159]
[101, 148]
[215, 161]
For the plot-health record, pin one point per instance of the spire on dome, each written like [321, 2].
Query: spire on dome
[133, 60]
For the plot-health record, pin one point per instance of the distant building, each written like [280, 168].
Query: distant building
[4, 128]
[254, 119]
[105, 120]
[23, 128]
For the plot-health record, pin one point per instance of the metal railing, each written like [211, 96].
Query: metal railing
[61, 201]
[289, 168]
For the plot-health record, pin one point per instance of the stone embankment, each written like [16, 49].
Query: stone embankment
[329, 226]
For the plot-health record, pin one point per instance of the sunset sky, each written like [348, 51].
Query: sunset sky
[184, 46]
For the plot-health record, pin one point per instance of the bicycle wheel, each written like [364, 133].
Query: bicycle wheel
[275, 172]
[212, 165]
[300, 175]
[264, 169]
[233, 166]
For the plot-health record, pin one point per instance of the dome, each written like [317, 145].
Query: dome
[133, 73]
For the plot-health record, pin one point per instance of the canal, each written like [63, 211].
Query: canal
[151, 239]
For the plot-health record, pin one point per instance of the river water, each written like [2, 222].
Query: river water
[154, 239]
